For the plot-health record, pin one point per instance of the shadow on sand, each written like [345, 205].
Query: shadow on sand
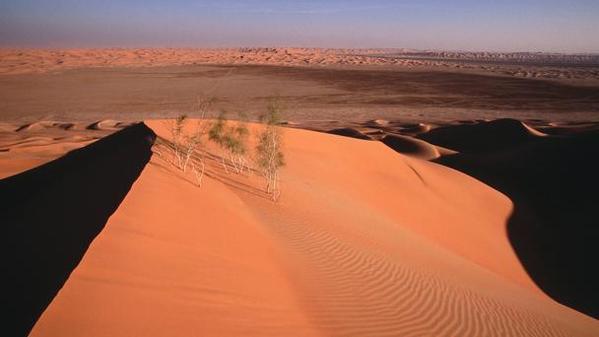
[52, 213]
[554, 229]
[217, 167]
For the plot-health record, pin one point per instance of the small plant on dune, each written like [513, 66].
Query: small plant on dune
[189, 147]
[176, 134]
[216, 133]
[198, 170]
[232, 139]
[237, 144]
[186, 146]
[192, 155]
[269, 155]
[193, 141]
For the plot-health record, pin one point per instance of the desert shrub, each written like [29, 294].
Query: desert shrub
[217, 129]
[186, 145]
[190, 146]
[176, 135]
[232, 139]
[269, 154]
[198, 170]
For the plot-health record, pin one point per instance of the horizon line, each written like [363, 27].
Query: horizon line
[407, 49]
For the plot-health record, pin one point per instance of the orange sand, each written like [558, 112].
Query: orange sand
[19, 61]
[363, 242]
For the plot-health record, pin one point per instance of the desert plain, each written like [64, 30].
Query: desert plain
[423, 193]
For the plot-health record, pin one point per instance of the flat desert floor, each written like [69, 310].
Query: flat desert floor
[419, 196]
[313, 85]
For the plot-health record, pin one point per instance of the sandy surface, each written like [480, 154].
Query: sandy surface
[530, 65]
[425, 194]
[357, 93]
[314, 84]
[33, 144]
[364, 241]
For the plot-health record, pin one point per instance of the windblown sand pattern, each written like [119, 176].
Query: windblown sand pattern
[367, 293]
[33, 144]
[363, 242]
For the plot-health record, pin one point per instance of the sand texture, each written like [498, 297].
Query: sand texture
[526, 65]
[311, 94]
[364, 241]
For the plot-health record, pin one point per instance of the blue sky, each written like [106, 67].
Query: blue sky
[509, 25]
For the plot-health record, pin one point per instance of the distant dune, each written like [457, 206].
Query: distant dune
[364, 241]
[529, 65]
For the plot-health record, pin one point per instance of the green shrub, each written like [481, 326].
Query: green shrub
[233, 140]
[269, 154]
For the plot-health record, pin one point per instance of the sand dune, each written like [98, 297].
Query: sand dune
[378, 122]
[411, 146]
[552, 180]
[350, 132]
[533, 65]
[571, 128]
[414, 128]
[363, 242]
[107, 124]
[398, 135]
[481, 137]
[37, 126]
[51, 214]
[32, 144]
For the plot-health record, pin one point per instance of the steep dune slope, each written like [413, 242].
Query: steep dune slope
[363, 242]
[553, 182]
[484, 136]
[23, 146]
[51, 213]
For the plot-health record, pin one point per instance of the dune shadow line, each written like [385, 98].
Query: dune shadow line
[51, 214]
[554, 228]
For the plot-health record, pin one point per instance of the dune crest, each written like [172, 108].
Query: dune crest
[411, 146]
[350, 132]
[363, 242]
[52, 212]
[107, 124]
[37, 126]
[23, 146]
[552, 181]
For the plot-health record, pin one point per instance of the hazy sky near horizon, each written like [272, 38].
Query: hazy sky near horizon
[509, 25]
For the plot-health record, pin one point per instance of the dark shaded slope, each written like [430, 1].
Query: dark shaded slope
[51, 214]
[349, 132]
[411, 146]
[554, 184]
[484, 136]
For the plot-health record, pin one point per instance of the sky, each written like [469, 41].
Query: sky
[508, 25]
